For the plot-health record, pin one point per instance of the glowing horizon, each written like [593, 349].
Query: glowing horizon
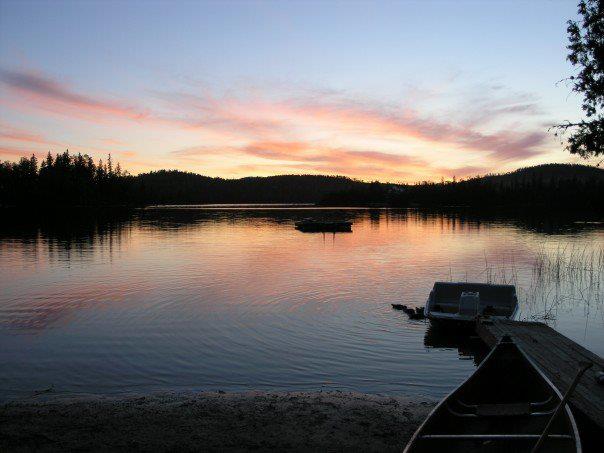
[263, 100]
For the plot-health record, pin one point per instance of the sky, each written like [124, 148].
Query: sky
[392, 91]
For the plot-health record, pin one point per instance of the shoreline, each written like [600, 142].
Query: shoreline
[213, 421]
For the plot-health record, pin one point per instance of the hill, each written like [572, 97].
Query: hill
[550, 172]
[169, 187]
[75, 180]
[555, 186]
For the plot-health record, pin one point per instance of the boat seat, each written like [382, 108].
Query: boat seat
[503, 410]
[493, 437]
[468, 303]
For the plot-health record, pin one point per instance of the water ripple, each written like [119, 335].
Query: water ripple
[238, 300]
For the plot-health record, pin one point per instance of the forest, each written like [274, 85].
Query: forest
[76, 180]
[550, 186]
[64, 180]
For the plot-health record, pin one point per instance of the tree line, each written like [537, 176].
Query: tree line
[76, 180]
[65, 179]
[552, 186]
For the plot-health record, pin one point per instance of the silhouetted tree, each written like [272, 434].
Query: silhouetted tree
[68, 180]
[555, 186]
[62, 180]
[587, 53]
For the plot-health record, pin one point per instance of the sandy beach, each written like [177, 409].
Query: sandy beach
[212, 421]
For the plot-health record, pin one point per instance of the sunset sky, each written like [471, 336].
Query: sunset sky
[393, 91]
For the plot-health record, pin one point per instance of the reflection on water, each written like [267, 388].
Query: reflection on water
[468, 345]
[237, 298]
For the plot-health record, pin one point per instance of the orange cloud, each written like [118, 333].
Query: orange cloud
[17, 151]
[307, 152]
[324, 131]
[273, 120]
[375, 121]
[300, 157]
[112, 142]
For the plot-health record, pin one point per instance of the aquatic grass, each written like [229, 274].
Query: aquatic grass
[570, 263]
[563, 279]
[559, 279]
[503, 274]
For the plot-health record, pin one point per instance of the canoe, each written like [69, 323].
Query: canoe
[504, 406]
[460, 304]
[316, 226]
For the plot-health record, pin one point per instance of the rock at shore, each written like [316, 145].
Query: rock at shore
[209, 421]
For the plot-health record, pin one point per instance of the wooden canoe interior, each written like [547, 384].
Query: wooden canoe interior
[505, 397]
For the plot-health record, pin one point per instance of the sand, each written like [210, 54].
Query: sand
[212, 421]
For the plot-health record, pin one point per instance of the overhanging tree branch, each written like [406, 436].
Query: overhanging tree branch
[586, 51]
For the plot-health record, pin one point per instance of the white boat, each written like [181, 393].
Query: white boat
[463, 303]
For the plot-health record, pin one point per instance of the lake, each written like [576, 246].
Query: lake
[234, 298]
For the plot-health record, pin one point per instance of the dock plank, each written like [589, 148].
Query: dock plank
[558, 357]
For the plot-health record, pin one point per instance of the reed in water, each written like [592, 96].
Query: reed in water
[560, 278]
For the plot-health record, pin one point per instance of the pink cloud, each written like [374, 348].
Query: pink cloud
[286, 130]
[301, 157]
[360, 171]
[52, 95]
[308, 152]
[501, 145]
[262, 120]
[20, 135]
[23, 137]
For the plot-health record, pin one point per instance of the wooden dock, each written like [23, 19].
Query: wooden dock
[558, 357]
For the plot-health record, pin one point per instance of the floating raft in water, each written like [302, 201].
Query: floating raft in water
[315, 226]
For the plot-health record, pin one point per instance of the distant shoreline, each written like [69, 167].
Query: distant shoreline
[74, 180]
[213, 421]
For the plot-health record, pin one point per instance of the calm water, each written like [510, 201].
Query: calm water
[236, 299]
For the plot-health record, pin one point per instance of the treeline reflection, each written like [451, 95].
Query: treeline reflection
[80, 229]
[468, 346]
[68, 233]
